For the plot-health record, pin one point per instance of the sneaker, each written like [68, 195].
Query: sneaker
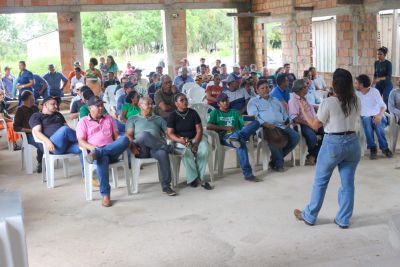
[234, 142]
[195, 183]
[91, 157]
[388, 153]
[207, 186]
[299, 216]
[39, 167]
[253, 178]
[373, 154]
[169, 192]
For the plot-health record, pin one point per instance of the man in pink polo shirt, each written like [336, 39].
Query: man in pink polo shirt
[99, 134]
[309, 133]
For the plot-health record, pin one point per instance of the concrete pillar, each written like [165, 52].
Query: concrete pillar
[246, 41]
[260, 45]
[297, 44]
[174, 38]
[70, 34]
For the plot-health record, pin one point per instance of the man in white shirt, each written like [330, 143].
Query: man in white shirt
[78, 78]
[373, 117]
[318, 80]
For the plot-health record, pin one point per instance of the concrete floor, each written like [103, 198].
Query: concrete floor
[237, 224]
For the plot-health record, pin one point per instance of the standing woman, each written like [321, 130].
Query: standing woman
[93, 77]
[25, 80]
[184, 128]
[383, 74]
[112, 66]
[340, 148]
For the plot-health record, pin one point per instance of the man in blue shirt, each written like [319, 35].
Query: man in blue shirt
[180, 80]
[281, 91]
[8, 81]
[40, 87]
[128, 87]
[54, 79]
[271, 114]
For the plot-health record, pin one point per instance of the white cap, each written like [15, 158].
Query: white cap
[236, 66]
[78, 86]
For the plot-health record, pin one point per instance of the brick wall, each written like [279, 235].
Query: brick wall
[246, 42]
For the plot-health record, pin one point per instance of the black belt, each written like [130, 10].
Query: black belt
[342, 133]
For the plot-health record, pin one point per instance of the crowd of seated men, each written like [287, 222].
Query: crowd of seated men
[152, 118]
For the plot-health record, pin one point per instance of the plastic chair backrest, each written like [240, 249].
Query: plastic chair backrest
[203, 111]
[196, 94]
[187, 86]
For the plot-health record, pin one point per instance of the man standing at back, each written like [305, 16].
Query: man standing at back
[53, 79]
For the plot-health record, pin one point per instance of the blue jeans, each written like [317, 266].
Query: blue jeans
[106, 155]
[370, 127]
[39, 149]
[65, 141]
[311, 137]
[120, 126]
[55, 92]
[243, 135]
[278, 154]
[344, 152]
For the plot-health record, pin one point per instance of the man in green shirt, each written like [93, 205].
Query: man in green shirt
[230, 126]
[146, 133]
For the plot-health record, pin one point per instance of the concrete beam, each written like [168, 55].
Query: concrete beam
[123, 7]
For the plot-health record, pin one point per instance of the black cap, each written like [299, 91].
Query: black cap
[222, 97]
[129, 85]
[58, 99]
[95, 100]
[151, 74]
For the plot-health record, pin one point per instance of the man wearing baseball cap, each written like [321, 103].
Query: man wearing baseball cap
[50, 127]
[99, 134]
[238, 97]
[230, 126]
[314, 143]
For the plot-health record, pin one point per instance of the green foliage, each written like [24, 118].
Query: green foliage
[274, 35]
[206, 28]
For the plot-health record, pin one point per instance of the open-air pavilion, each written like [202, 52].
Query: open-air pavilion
[238, 223]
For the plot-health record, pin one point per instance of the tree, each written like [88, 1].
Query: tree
[94, 27]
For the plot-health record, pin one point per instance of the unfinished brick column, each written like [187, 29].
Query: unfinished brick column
[259, 43]
[297, 44]
[71, 49]
[246, 42]
[357, 41]
[174, 34]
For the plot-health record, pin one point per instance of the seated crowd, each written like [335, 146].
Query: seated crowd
[153, 117]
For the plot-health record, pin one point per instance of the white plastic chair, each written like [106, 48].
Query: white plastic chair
[264, 150]
[176, 164]
[109, 98]
[196, 94]
[187, 86]
[136, 163]
[90, 168]
[48, 163]
[394, 132]
[26, 154]
[3, 133]
[203, 110]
